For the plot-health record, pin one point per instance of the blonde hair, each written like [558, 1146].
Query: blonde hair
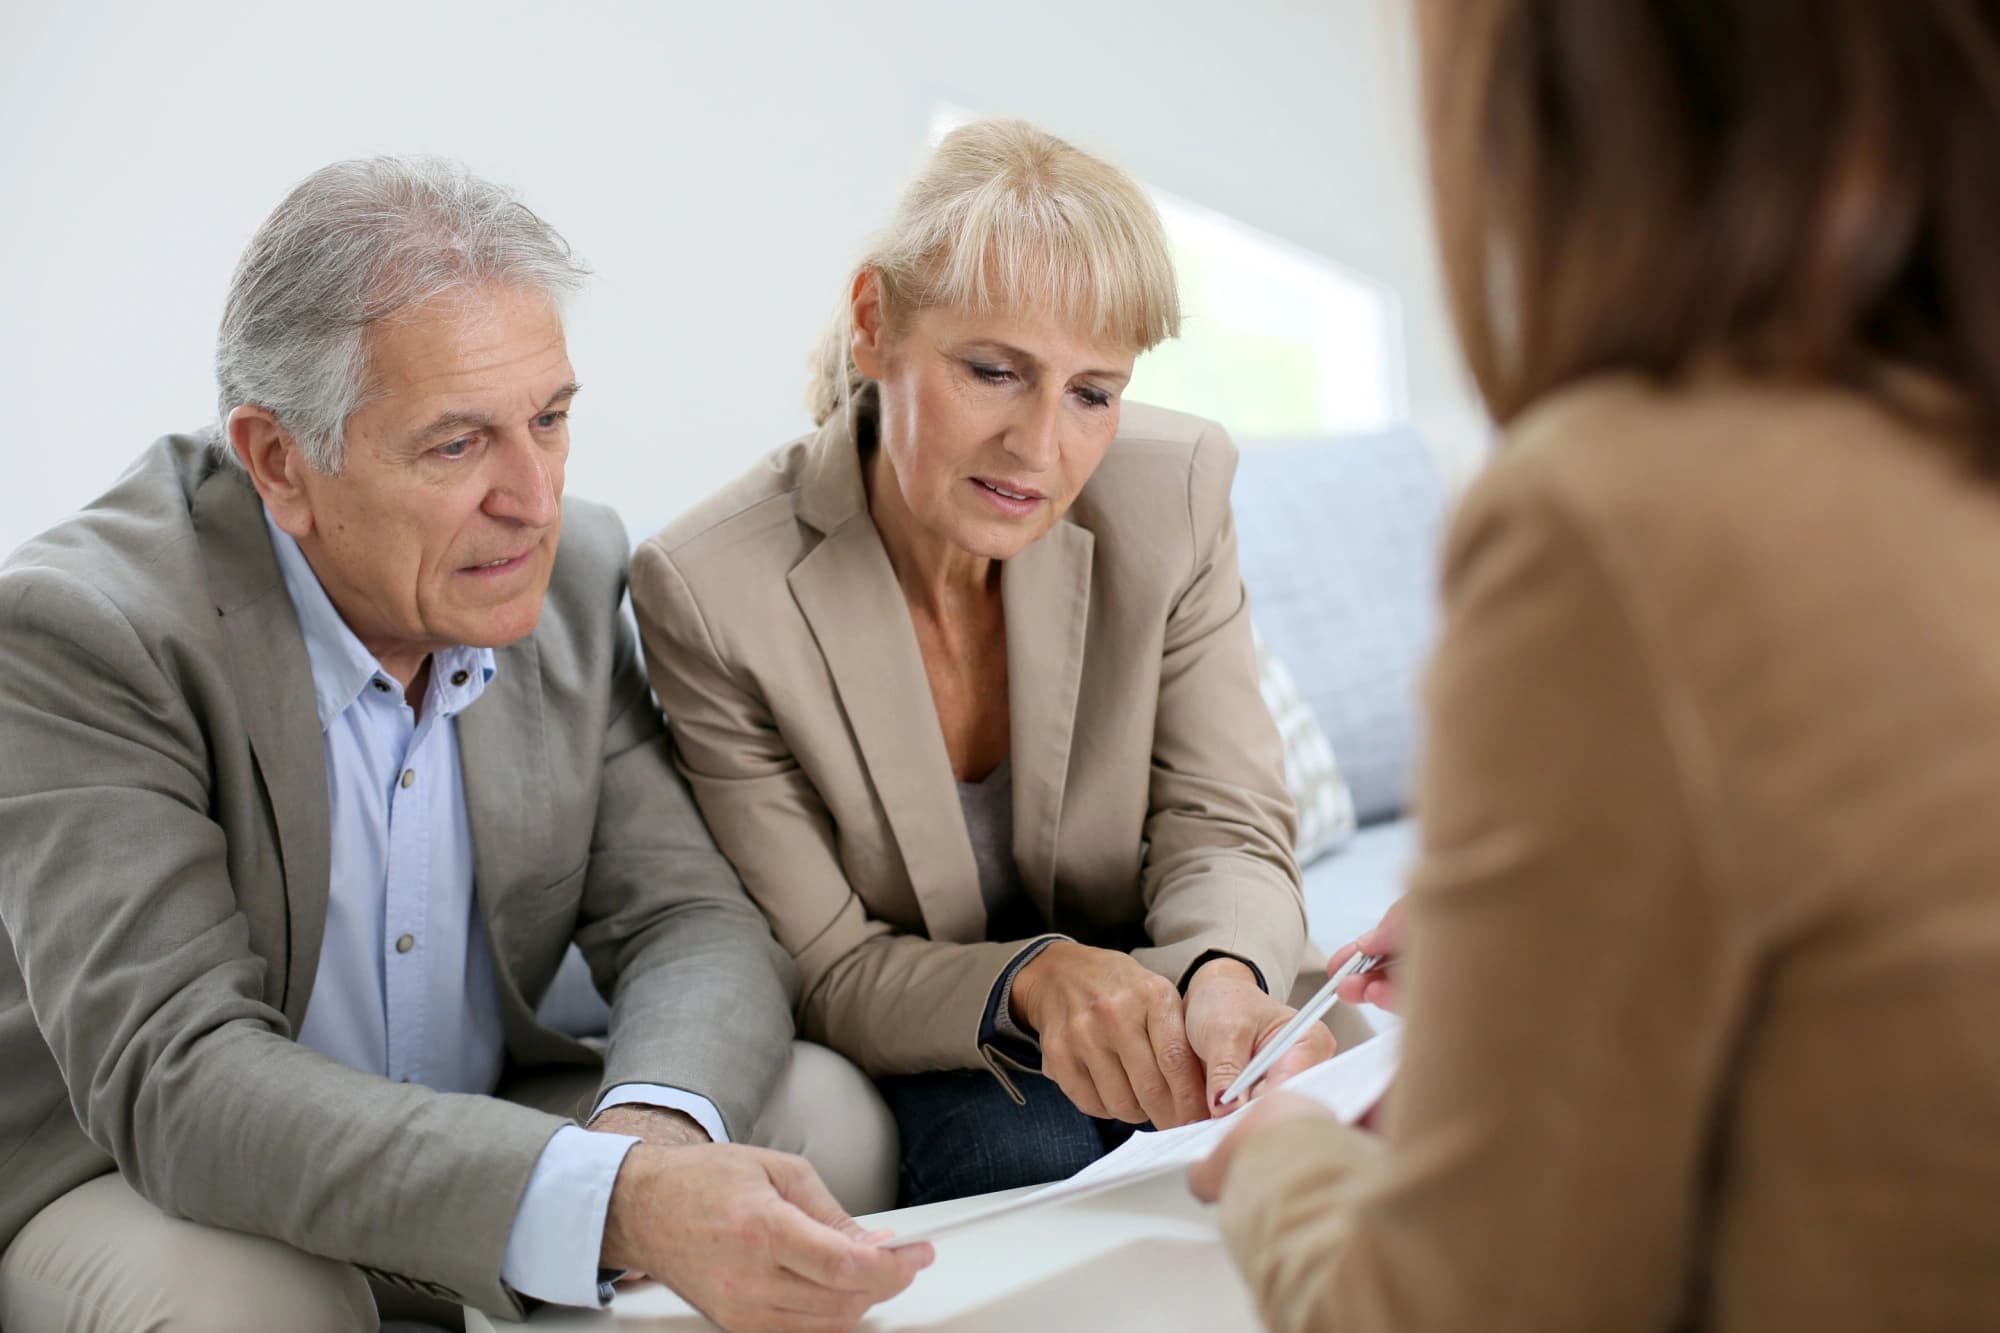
[1004, 216]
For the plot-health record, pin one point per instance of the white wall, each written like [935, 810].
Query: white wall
[717, 164]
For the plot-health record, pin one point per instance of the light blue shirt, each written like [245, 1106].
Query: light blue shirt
[406, 987]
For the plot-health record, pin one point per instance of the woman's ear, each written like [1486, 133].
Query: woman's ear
[869, 337]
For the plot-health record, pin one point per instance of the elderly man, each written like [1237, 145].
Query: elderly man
[320, 751]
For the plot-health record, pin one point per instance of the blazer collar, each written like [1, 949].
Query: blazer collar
[1047, 595]
[847, 591]
[264, 654]
[831, 488]
[504, 748]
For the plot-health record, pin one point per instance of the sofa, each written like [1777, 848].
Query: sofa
[1338, 538]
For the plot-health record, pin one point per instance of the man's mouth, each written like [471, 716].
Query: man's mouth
[501, 565]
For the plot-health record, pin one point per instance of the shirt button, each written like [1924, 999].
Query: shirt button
[380, 684]
[460, 677]
[405, 943]
[409, 776]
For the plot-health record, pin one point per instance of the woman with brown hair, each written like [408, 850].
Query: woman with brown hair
[1704, 943]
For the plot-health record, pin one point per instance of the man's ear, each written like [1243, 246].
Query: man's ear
[869, 341]
[276, 466]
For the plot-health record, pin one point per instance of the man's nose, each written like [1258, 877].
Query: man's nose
[528, 486]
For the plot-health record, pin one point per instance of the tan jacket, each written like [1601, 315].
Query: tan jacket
[163, 886]
[1150, 811]
[1704, 981]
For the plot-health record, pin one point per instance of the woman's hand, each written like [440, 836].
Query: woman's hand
[1207, 1177]
[1229, 1018]
[1112, 1035]
[1377, 985]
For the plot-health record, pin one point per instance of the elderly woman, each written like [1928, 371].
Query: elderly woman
[964, 685]
[1704, 943]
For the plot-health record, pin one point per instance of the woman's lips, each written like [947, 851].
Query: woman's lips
[1011, 501]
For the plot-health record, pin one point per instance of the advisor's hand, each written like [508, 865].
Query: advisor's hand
[1207, 1177]
[1111, 1033]
[750, 1238]
[1376, 986]
[1229, 1018]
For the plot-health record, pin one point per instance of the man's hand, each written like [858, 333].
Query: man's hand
[1377, 985]
[1111, 1033]
[1207, 1177]
[750, 1238]
[654, 1125]
[1229, 1018]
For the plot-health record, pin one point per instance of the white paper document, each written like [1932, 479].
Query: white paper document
[1348, 1085]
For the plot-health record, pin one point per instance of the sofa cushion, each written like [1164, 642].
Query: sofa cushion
[1312, 772]
[1338, 540]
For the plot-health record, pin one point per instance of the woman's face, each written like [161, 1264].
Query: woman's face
[991, 424]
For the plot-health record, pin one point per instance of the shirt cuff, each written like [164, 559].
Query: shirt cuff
[998, 1028]
[558, 1231]
[667, 1099]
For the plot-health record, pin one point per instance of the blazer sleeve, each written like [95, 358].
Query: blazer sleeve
[864, 982]
[701, 994]
[117, 898]
[1574, 988]
[1220, 876]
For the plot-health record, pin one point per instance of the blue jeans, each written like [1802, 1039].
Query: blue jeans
[962, 1134]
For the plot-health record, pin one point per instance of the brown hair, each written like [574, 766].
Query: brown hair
[1807, 188]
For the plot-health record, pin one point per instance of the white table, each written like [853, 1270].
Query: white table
[1144, 1256]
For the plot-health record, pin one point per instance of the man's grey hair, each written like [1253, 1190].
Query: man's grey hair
[352, 245]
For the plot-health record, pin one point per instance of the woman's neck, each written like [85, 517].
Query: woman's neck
[938, 579]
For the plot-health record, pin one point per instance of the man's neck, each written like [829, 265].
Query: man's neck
[415, 687]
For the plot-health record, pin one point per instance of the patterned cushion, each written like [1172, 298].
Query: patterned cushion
[1338, 541]
[1326, 810]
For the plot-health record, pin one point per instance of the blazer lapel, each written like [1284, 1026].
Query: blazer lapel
[847, 591]
[503, 753]
[1047, 594]
[265, 656]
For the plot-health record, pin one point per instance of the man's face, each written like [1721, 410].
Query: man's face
[441, 527]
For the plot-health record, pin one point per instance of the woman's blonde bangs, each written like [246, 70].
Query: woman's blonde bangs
[1089, 253]
[1006, 218]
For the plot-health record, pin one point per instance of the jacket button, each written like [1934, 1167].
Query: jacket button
[405, 943]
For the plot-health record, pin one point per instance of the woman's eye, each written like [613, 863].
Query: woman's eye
[991, 374]
[1094, 397]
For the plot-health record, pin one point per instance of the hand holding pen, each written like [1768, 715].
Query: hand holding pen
[1376, 985]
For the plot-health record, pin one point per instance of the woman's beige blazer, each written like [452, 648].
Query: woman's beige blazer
[1150, 812]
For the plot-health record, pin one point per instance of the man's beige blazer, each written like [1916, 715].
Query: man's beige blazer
[1150, 811]
[163, 886]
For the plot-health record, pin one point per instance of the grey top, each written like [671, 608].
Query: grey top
[989, 821]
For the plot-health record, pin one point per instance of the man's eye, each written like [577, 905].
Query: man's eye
[550, 420]
[456, 449]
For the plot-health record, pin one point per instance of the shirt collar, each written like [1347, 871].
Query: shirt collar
[342, 666]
